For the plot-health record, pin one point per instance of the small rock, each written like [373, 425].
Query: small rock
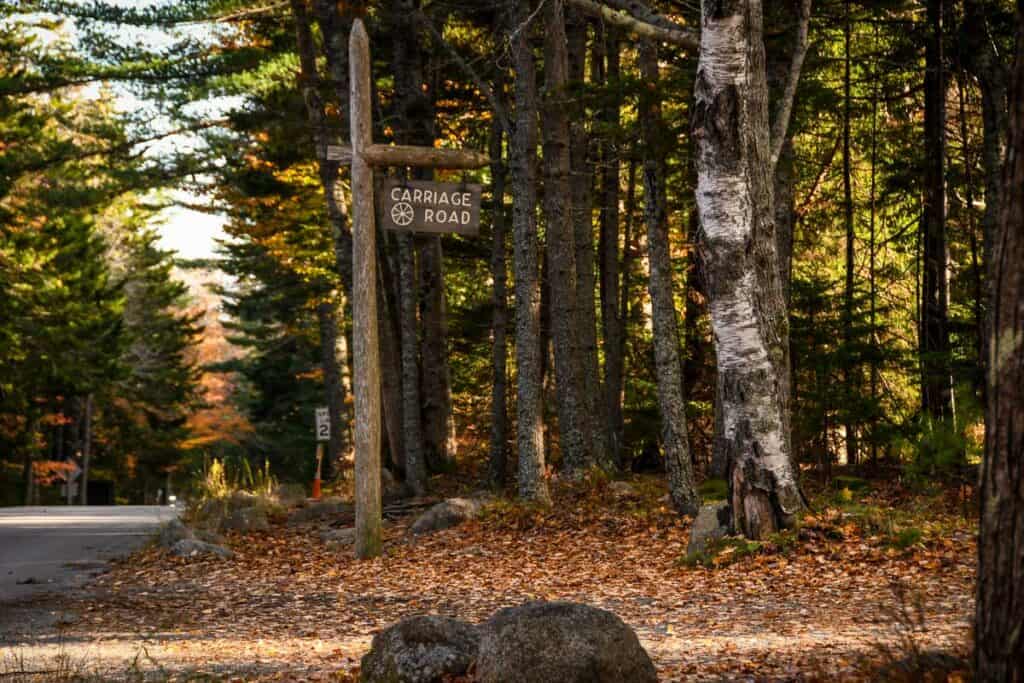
[190, 547]
[321, 509]
[210, 537]
[422, 649]
[392, 489]
[713, 522]
[241, 499]
[345, 536]
[289, 495]
[172, 532]
[446, 514]
[623, 490]
[245, 520]
[560, 642]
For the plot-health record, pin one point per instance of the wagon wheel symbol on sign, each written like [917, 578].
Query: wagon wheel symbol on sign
[402, 214]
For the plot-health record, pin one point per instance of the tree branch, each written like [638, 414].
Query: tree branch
[621, 15]
[785, 108]
[480, 83]
[81, 155]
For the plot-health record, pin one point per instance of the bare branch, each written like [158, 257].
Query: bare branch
[663, 31]
[785, 108]
[644, 13]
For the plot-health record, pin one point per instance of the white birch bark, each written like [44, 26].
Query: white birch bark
[748, 313]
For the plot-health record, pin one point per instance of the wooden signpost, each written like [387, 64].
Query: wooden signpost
[363, 156]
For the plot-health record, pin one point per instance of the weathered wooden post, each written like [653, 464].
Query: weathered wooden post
[366, 359]
[435, 207]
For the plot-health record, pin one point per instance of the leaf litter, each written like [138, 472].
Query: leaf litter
[289, 607]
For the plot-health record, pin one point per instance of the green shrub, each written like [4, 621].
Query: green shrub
[218, 482]
[845, 481]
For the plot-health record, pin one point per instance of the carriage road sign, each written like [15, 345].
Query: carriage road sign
[426, 206]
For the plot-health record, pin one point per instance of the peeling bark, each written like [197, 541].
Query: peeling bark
[745, 297]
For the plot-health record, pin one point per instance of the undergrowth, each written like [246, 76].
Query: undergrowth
[848, 509]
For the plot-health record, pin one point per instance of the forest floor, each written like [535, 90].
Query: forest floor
[870, 576]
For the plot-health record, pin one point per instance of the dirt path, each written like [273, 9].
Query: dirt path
[288, 608]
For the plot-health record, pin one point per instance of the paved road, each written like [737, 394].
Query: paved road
[48, 548]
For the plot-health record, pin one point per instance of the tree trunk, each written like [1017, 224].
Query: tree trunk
[612, 321]
[389, 334]
[530, 435]
[999, 617]
[497, 464]
[581, 181]
[872, 249]
[414, 124]
[574, 435]
[438, 423]
[412, 432]
[678, 463]
[967, 208]
[936, 396]
[748, 313]
[28, 478]
[337, 216]
[784, 194]
[694, 345]
[849, 382]
[629, 308]
[328, 327]
[83, 496]
[982, 60]
[779, 58]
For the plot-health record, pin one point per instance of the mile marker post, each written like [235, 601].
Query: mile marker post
[323, 433]
[366, 358]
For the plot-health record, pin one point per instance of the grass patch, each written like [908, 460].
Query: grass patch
[713, 490]
[720, 552]
[846, 481]
[906, 538]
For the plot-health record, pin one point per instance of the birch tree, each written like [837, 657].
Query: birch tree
[736, 156]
